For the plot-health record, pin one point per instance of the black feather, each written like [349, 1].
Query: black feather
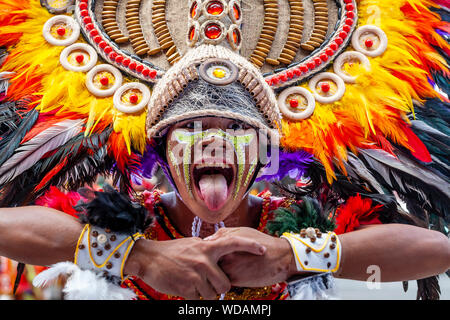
[115, 211]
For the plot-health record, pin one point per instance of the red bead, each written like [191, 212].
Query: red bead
[214, 8]
[297, 72]
[126, 62]
[79, 58]
[343, 34]
[339, 41]
[139, 68]
[102, 44]
[346, 28]
[146, 72]
[119, 59]
[349, 21]
[213, 31]
[369, 43]
[283, 77]
[89, 26]
[134, 99]
[84, 13]
[132, 66]
[83, 5]
[304, 68]
[61, 31]
[311, 65]
[329, 52]
[349, 7]
[274, 81]
[324, 57]
[108, 49]
[333, 46]
[325, 87]
[293, 103]
[350, 14]
[94, 32]
[112, 55]
[348, 1]
[97, 39]
[290, 74]
[153, 74]
[318, 61]
[87, 20]
[104, 81]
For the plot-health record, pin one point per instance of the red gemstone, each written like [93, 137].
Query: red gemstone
[236, 36]
[293, 103]
[350, 14]
[134, 99]
[194, 9]
[61, 31]
[146, 72]
[369, 43]
[303, 68]
[329, 52]
[297, 72]
[324, 57]
[325, 87]
[104, 81]
[153, 74]
[192, 33]
[119, 59]
[79, 58]
[214, 8]
[346, 28]
[213, 31]
[236, 12]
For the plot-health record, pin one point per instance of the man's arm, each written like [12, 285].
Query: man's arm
[401, 252]
[186, 267]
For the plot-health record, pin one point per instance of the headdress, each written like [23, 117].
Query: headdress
[361, 85]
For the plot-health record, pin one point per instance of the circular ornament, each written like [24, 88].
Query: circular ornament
[331, 87]
[193, 34]
[61, 31]
[103, 80]
[296, 103]
[215, 9]
[219, 72]
[370, 40]
[131, 98]
[235, 37]
[213, 32]
[235, 11]
[58, 6]
[78, 57]
[195, 9]
[347, 57]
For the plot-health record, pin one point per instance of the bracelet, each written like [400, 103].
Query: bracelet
[104, 252]
[314, 251]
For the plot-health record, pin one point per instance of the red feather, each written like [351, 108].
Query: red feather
[356, 212]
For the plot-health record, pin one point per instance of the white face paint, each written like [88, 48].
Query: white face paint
[213, 168]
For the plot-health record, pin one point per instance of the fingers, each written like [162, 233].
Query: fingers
[226, 245]
[206, 290]
[218, 280]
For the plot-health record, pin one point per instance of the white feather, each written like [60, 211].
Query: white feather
[32, 151]
[82, 284]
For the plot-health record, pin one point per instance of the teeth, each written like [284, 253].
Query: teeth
[213, 165]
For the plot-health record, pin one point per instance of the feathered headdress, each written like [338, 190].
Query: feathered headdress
[357, 89]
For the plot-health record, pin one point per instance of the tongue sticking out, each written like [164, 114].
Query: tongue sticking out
[214, 191]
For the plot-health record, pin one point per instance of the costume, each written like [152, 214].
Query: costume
[353, 96]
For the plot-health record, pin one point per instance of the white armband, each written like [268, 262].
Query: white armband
[103, 251]
[314, 251]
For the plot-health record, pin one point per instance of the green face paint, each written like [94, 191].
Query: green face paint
[188, 139]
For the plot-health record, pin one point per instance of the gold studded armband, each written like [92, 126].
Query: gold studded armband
[104, 252]
[314, 251]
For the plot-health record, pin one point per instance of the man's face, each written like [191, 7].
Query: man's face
[212, 161]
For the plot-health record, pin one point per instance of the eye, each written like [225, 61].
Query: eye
[190, 125]
[236, 126]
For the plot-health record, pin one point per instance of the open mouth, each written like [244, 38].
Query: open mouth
[213, 182]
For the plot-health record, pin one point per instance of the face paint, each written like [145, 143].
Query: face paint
[188, 139]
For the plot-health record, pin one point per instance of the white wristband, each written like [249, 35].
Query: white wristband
[103, 251]
[314, 251]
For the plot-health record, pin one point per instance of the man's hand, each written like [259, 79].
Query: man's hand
[187, 267]
[248, 270]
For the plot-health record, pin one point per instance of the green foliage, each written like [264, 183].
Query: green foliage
[306, 213]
